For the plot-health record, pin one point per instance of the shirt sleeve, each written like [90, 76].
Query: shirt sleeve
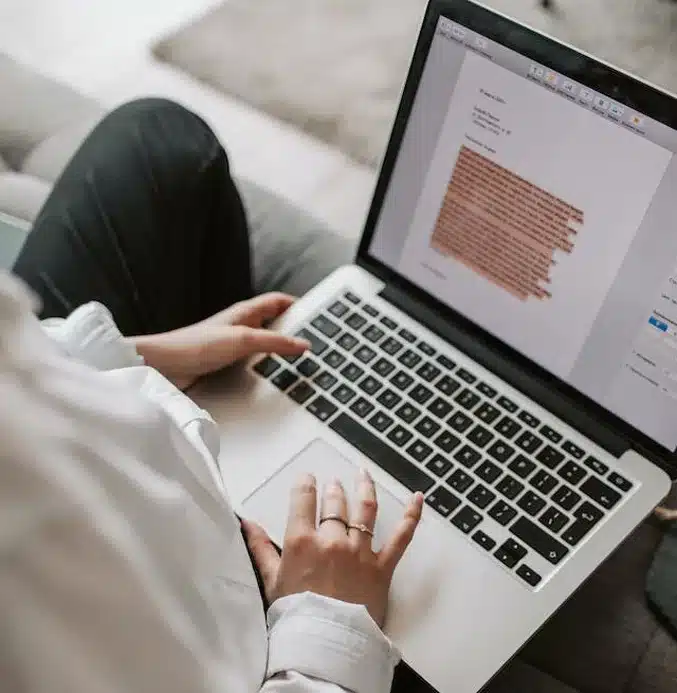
[89, 334]
[314, 640]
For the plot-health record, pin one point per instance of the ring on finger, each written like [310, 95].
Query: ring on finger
[361, 528]
[336, 517]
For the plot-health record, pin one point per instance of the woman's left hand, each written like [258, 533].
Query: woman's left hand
[235, 333]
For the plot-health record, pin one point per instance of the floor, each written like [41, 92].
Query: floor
[102, 48]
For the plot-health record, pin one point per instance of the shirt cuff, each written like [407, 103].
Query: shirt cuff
[89, 334]
[330, 640]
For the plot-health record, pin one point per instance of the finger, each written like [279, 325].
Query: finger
[392, 552]
[264, 553]
[334, 504]
[256, 311]
[365, 512]
[247, 341]
[302, 507]
[665, 514]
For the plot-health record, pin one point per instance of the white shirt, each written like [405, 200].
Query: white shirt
[122, 565]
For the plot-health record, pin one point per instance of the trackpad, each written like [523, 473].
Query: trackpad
[269, 504]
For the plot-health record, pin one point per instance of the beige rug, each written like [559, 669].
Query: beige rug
[334, 68]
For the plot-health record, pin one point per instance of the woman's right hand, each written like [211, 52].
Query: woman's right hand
[333, 560]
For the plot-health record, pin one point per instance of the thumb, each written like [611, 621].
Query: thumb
[264, 553]
[247, 341]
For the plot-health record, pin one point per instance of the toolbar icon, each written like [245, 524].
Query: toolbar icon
[636, 120]
[601, 103]
[616, 110]
[551, 78]
[569, 87]
[458, 32]
[586, 95]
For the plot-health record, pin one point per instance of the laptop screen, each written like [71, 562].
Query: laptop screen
[545, 213]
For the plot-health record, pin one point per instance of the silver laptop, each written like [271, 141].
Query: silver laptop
[506, 341]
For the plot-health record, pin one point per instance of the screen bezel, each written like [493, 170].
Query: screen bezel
[621, 87]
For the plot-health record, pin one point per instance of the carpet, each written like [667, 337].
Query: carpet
[335, 68]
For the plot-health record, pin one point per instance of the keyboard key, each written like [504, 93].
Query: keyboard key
[502, 513]
[443, 500]
[391, 346]
[550, 457]
[380, 421]
[487, 390]
[539, 540]
[531, 503]
[572, 473]
[343, 394]
[267, 366]
[347, 341]
[369, 310]
[440, 408]
[507, 404]
[389, 399]
[522, 466]
[593, 463]
[465, 375]
[481, 496]
[373, 333]
[501, 451]
[565, 498]
[427, 427]
[510, 553]
[407, 336]
[382, 454]
[352, 372]
[509, 487]
[383, 367]
[408, 413]
[543, 482]
[619, 481]
[428, 372]
[480, 436]
[370, 385]
[317, 345]
[484, 540]
[325, 380]
[400, 436]
[468, 456]
[466, 519]
[586, 517]
[284, 379]
[447, 385]
[446, 362]
[409, 358]
[334, 359]
[362, 407]
[507, 427]
[420, 394]
[487, 413]
[528, 419]
[308, 367]
[390, 324]
[529, 442]
[553, 519]
[351, 297]
[529, 575]
[338, 309]
[322, 408]
[356, 321]
[426, 348]
[364, 354]
[599, 492]
[419, 450]
[401, 380]
[460, 421]
[467, 399]
[460, 481]
[573, 449]
[326, 326]
[551, 434]
[439, 465]
[488, 471]
[301, 392]
[447, 441]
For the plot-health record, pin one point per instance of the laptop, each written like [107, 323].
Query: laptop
[505, 342]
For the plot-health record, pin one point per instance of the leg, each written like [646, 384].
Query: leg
[146, 220]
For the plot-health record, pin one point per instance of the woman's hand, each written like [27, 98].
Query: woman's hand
[333, 560]
[235, 333]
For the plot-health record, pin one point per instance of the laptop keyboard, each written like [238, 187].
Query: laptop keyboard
[515, 486]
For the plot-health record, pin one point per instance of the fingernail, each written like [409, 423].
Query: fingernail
[303, 344]
[336, 484]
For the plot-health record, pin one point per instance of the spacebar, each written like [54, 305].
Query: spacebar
[380, 453]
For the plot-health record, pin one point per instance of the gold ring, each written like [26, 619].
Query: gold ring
[362, 528]
[336, 517]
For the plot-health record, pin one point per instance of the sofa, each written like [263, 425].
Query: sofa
[605, 639]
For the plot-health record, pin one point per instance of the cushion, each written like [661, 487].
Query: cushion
[22, 195]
